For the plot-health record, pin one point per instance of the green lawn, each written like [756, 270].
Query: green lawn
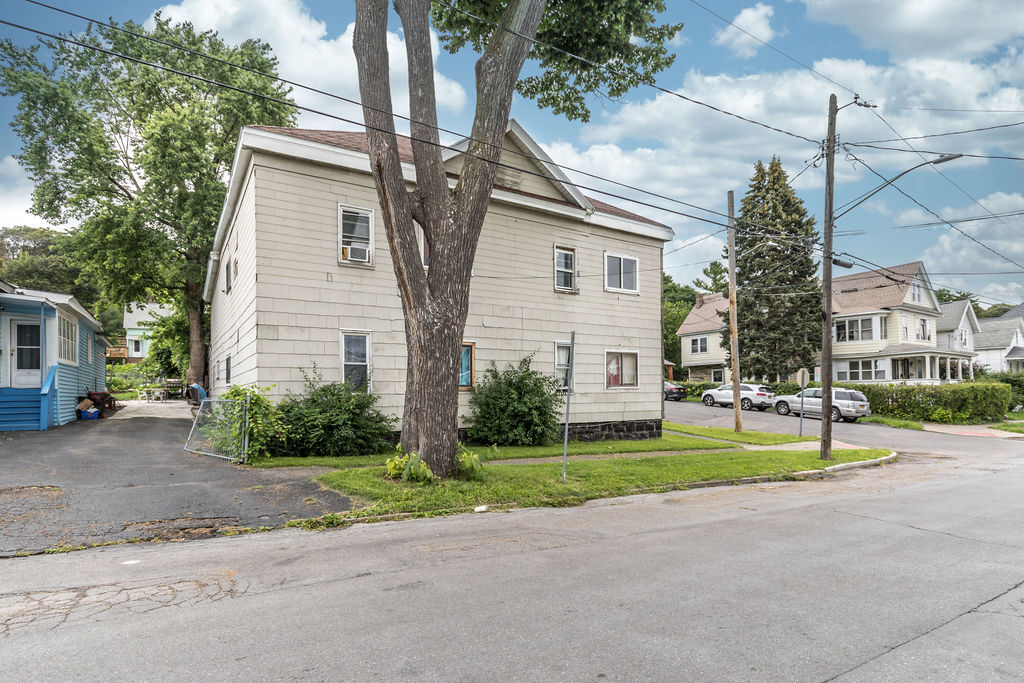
[756, 438]
[894, 422]
[1017, 428]
[539, 484]
[669, 442]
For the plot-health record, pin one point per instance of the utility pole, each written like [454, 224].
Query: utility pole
[826, 283]
[734, 344]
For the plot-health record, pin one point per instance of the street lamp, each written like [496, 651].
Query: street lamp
[934, 162]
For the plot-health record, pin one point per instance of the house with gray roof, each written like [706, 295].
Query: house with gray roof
[1000, 344]
[1015, 312]
[957, 326]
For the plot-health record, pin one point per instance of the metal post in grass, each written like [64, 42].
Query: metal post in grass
[568, 398]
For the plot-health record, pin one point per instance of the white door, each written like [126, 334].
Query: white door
[26, 354]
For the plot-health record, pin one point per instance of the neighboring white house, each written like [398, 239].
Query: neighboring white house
[1000, 344]
[884, 329]
[957, 326]
[301, 274]
[138, 318]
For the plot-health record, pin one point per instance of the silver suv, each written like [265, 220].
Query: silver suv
[751, 396]
[847, 404]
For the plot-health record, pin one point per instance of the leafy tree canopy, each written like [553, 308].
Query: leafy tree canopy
[675, 293]
[716, 279]
[619, 38]
[39, 258]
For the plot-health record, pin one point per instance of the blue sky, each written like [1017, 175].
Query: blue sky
[910, 59]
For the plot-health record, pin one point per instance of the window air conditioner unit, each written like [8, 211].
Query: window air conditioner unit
[353, 253]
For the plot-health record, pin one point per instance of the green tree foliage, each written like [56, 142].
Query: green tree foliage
[994, 311]
[717, 279]
[677, 300]
[38, 258]
[138, 156]
[621, 34]
[778, 300]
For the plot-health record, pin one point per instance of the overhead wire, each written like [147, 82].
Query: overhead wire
[934, 135]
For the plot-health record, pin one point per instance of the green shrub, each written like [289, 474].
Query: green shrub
[469, 463]
[964, 401]
[333, 420]
[395, 466]
[267, 432]
[1016, 382]
[944, 415]
[416, 469]
[515, 407]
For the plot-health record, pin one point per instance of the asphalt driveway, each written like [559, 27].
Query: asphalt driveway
[128, 478]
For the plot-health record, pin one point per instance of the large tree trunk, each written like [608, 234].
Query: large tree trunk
[435, 303]
[196, 345]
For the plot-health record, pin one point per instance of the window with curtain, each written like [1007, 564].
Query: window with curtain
[620, 369]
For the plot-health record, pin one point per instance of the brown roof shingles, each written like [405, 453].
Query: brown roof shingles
[356, 141]
[874, 290]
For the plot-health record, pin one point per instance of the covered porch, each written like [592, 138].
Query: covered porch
[908, 364]
[1015, 359]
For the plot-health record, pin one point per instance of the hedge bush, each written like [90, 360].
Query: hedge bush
[1016, 382]
[515, 407]
[695, 389]
[952, 403]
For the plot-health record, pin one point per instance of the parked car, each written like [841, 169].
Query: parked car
[673, 392]
[847, 404]
[751, 396]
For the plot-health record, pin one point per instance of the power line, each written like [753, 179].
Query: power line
[934, 135]
[621, 73]
[925, 151]
[775, 49]
[980, 111]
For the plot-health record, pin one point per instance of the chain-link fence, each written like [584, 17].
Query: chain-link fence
[220, 429]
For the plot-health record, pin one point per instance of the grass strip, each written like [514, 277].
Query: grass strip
[896, 422]
[755, 438]
[341, 462]
[539, 484]
[1017, 428]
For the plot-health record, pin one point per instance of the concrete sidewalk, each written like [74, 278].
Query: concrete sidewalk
[970, 430]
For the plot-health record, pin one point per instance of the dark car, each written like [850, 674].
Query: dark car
[673, 392]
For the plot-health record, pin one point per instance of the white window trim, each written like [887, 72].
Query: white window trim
[75, 342]
[472, 364]
[707, 345]
[370, 260]
[572, 363]
[604, 268]
[369, 353]
[713, 371]
[227, 369]
[604, 369]
[89, 346]
[575, 270]
[216, 373]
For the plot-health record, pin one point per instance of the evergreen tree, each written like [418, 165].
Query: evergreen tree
[717, 278]
[778, 298]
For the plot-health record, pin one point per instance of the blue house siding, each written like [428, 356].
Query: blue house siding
[75, 380]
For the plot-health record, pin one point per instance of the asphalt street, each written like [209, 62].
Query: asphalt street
[913, 571]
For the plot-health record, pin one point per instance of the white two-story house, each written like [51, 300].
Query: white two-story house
[700, 337]
[885, 329]
[958, 326]
[1000, 344]
[301, 274]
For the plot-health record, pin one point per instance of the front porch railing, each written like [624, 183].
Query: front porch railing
[46, 398]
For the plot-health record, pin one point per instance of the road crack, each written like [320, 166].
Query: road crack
[926, 530]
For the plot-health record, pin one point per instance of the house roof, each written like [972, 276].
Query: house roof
[704, 316]
[141, 315]
[63, 301]
[356, 141]
[953, 312]
[873, 290]
[1015, 312]
[1016, 353]
[997, 333]
[6, 286]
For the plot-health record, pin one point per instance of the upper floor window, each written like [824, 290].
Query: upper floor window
[227, 276]
[565, 269]
[963, 337]
[67, 340]
[355, 358]
[905, 325]
[859, 329]
[620, 273]
[620, 369]
[355, 235]
[227, 369]
[915, 293]
[699, 345]
[924, 332]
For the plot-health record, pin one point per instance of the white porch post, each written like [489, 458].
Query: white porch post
[927, 367]
[949, 375]
[960, 369]
[970, 368]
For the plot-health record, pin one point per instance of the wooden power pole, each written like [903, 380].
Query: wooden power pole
[826, 285]
[734, 344]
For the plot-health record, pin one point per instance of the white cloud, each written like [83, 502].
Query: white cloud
[16, 196]
[754, 20]
[308, 55]
[949, 28]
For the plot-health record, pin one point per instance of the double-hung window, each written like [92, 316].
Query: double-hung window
[467, 360]
[905, 325]
[227, 276]
[227, 369]
[67, 340]
[355, 235]
[699, 345]
[562, 363]
[565, 269]
[620, 369]
[355, 358]
[620, 273]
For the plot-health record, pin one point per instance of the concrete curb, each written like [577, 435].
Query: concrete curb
[807, 474]
[849, 466]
